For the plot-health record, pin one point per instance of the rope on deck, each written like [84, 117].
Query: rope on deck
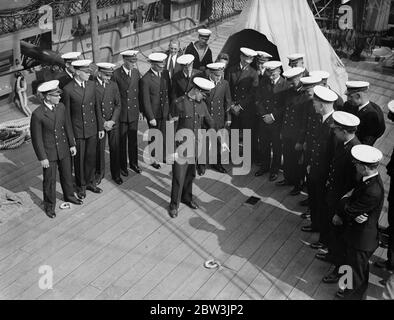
[14, 132]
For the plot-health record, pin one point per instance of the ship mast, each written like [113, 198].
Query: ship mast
[94, 31]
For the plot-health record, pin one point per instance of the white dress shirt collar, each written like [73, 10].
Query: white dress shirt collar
[325, 117]
[49, 106]
[363, 106]
[80, 83]
[69, 73]
[369, 177]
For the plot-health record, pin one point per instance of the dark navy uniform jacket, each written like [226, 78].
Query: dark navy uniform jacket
[51, 133]
[81, 107]
[367, 198]
[155, 95]
[129, 94]
[108, 99]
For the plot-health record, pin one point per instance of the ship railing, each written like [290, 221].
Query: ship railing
[27, 18]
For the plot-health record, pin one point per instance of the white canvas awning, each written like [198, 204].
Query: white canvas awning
[290, 25]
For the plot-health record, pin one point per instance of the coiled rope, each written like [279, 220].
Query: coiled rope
[14, 132]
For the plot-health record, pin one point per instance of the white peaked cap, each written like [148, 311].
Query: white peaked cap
[366, 154]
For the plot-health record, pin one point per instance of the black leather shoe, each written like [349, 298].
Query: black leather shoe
[383, 265]
[273, 177]
[50, 213]
[308, 229]
[383, 245]
[94, 189]
[136, 168]
[333, 277]
[340, 294]
[118, 180]
[124, 173]
[81, 195]
[261, 172]
[191, 204]
[98, 180]
[74, 200]
[317, 245]
[173, 212]
[326, 257]
[200, 170]
[282, 183]
[296, 191]
[306, 215]
[304, 203]
[156, 165]
[219, 168]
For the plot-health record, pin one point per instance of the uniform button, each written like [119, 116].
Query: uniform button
[83, 105]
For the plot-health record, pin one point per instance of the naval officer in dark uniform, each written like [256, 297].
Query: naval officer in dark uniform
[87, 122]
[127, 78]
[297, 60]
[182, 81]
[270, 100]
[243, 80]
[155, 93]
[324, 75]
[372, 124]
[389, 263]
[359, 211]
[67, 75]
[318, 166]
[108, 99]
[341, 179]
[190, 112]
[200, 50]
[293, 128]
[53, 142]
[219, 103]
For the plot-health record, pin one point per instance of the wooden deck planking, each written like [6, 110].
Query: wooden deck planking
[204, 231]
[173, 240]
[198, 226]
[160, 218]
[238, 258]
[293, 271]
[65, 223]
[218, 280]
[125, 211]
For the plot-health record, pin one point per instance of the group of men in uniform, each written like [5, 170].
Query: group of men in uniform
[326, 146]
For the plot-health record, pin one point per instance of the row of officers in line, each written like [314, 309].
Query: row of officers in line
[291, 115]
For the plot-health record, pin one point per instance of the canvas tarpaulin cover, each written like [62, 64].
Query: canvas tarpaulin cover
[290, 25]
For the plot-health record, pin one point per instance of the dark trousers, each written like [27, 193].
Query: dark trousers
[318, 207]
[358, 261]
[336, 240]
[292, 169]
[128, 144]
[49, 183]
[390, 229]
[182, 183]
[114, 154]
[85, 162]
[269, 142]
[161, 125]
